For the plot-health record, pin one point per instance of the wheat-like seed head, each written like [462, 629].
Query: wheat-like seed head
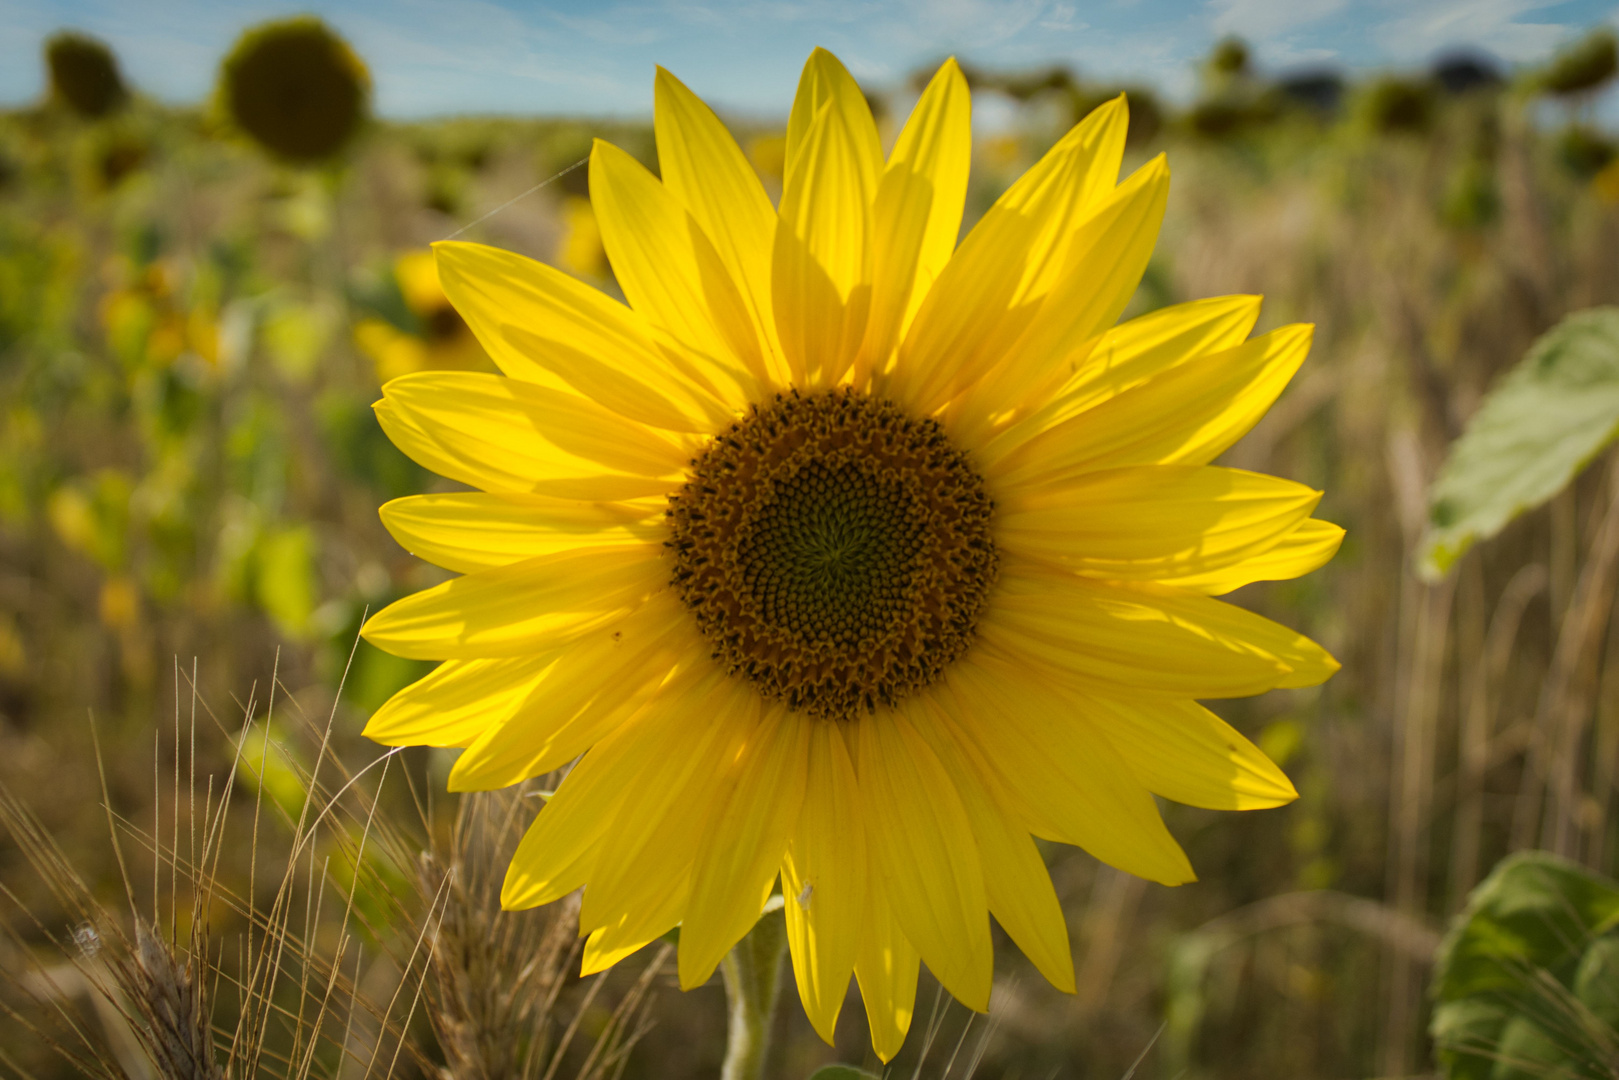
[171, 1003]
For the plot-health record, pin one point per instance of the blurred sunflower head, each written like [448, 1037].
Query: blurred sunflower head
[844, 555]
[1393, 106]
[1583, 67]
[84, 75]
[296, 89]
[438, 339]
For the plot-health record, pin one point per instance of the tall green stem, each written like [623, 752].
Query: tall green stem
[752, 977]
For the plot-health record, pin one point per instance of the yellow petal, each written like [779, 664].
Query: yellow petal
[518, 610]
[820, 265]
[886, 968]
[1158, 643]
[596, 685]
[543, 326]
[922, 849]
[1182, 751]
[667, 266]
[1188, 414]
[559, 849]
[1147, 522]
[1000, 276]
[917, 212]
[608, 945]
[826, 83]
[467, 531]
[1016, 883]
[758, 796]
[428, 452]
[661, 824]
[1306, 548]
[534, 431]
[1130, 354]
[1105, 262]
[1148, 345]
[1066, 776]
[457, 701]
[823, 880]
[705, 169]
[482, 467]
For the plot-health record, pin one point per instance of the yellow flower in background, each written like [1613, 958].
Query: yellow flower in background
[120, 603]
[580, 251]
[768, 153]
[146, 322]
[443, 341]
[846, 555]
[1605, 184]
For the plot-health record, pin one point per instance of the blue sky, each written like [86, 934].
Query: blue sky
[435, 57]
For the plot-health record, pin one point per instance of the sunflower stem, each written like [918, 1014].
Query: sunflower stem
[752, 973]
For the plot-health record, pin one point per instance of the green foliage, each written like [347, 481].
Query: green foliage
[841, 1072]
[1583, 66]
[92, 517]
[1527, 981]
[362, 453]
[1471, 199]
[1230, 57]
[285, 582]
[1584, 151]
[1399, 107]
[270, 765]
[1536, 429]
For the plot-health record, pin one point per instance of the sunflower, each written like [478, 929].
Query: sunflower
[845, 555]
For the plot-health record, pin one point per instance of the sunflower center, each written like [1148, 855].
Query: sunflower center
[834, 551]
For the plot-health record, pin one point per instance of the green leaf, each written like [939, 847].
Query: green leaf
[1536, 429]
[842, 1072]
[286, 578]
[1596, 983]
[1522, 980]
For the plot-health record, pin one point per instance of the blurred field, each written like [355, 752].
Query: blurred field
[190, 339]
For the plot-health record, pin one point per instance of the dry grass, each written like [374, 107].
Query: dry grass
[497, 976]
[329, 976]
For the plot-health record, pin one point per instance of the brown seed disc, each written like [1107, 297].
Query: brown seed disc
[834, 551]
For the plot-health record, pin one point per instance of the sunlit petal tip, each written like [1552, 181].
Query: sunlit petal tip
[461, 785]
[601, 951]
[950, 70]
[1117, 104]
[379, 732]
[693, 968]
[519, 890]
[1309, 664]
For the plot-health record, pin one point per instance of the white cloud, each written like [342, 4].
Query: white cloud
[1262, 19]
[958, 23]
[1430, 25]
[1061, 17]
[1283, 54]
